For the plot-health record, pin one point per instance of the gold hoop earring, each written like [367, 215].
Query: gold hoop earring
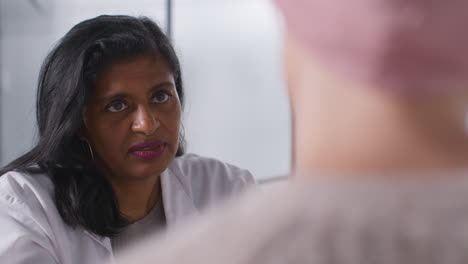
[89, 148]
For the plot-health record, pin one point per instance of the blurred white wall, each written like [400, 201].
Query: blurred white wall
[236, 106]
[25, 38]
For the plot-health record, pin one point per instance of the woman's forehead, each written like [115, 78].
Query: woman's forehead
[137, 64]
[133, 75]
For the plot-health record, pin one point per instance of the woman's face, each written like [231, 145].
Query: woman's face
[132, 122]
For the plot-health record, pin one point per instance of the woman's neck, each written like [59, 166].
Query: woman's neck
[136, 198]
[379, 145]
[343, 128]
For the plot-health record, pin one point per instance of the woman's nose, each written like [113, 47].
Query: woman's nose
[145, 122]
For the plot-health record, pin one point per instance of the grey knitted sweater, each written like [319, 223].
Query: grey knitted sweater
[399, 222]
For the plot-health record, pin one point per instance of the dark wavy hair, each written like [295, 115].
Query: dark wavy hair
[84, 198]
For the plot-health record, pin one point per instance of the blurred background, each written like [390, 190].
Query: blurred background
[236, 106]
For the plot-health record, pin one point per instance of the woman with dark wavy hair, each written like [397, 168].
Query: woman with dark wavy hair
[109, 164]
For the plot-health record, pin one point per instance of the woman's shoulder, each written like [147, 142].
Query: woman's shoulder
[22, 188]
[27, 215]
[208, 179]
[196, 167]
[26, 196]
[32, 224]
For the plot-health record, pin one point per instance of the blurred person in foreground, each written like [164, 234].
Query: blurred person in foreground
[109, 165]
[379, 94]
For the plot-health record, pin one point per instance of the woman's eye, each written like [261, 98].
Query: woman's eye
[116, 106]
[161, 97]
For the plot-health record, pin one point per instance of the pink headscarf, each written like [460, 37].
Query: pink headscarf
[403, 45]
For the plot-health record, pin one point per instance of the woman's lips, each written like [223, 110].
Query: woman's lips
[147, 150]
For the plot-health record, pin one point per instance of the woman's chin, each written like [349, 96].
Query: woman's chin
[144, 170]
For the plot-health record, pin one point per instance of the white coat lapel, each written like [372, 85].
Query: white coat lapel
[177, 198]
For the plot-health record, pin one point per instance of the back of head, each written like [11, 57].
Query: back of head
[404, 45]
[392, 72]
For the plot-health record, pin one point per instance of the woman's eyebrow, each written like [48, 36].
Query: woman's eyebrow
[125, 95]
[112, 97]
[162, 85]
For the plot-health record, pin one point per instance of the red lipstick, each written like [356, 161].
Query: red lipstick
[148, 150]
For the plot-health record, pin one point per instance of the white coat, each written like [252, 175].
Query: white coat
[32, 231]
